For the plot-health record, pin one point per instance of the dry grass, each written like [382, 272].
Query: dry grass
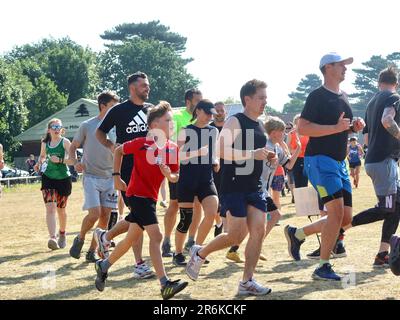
[24, 259]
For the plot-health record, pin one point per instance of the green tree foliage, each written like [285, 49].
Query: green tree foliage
[270, 111]
[150, 30]
[366, 79]
[15, 90]
[45, 100]
[298, 98]
[70, 66]
[166, 69]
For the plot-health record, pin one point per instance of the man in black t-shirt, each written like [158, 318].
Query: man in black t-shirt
[130, 121]
[326, 119]
[382, 119]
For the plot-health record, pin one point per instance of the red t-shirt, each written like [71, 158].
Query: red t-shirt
[146, 177]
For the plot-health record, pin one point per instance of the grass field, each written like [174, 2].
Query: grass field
[28, 270]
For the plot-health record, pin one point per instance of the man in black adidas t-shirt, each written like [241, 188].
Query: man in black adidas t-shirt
[130, 121]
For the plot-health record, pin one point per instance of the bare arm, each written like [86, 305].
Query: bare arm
[308, 128]
[102, 137]
[294, 156]
[42, 156]
[72, 159]
[118, 182]
[360, 150]
[229, 133]
[67, 145]
[172, 177]
[389, 123]
[185, 155]
[366, 139]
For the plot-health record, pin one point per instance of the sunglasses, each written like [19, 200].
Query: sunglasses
[56, 127]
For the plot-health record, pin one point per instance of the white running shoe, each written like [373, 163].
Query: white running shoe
[142, 271]
[252, 287]
[195, 263]
[53, 244]
[102, 246]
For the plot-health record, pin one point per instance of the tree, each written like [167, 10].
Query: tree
[70, 66]
[294, 106]
[151, 30]
[366, 79]
[166, 69]
[45, 100]
[231, 100]
[15, 89]
[298, 98]
[271, 111]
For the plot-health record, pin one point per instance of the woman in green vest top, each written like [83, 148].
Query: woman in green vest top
[56, 181]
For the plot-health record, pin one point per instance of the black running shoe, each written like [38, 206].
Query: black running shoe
[218, 230]
[166, 250]
[339, 251]
[293, 243]
[314, 255]
[75, 251]
[101, 278]
[91, 257]
[172, 288]
[179, 260]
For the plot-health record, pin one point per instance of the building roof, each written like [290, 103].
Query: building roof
[71, 116]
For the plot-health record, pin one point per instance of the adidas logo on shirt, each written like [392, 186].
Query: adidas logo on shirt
[138, 124]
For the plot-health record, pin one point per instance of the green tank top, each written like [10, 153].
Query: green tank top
[57, 171]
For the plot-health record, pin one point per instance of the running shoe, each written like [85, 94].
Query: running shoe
[53, 244]
[253, 288]
[172, 288]
[325, 273]
[381, 262]
[75, 251]
[91, 257]
[102, 246]
[293, 243]
[142, 271]
[166, 250]
[234, 256]
[101, 277]
[62, 240]
[195, 263]
[179, 260]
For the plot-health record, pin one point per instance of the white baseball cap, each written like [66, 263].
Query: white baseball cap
[333, 57]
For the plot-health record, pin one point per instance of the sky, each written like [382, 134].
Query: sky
[230, 41]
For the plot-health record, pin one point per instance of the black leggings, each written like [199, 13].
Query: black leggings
[300, 180]
[390, 223]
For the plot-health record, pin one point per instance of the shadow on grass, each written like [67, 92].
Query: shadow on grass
[65, 270]
[50, 259]
[18, 257]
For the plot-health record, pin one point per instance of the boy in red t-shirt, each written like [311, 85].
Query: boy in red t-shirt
[156, 158]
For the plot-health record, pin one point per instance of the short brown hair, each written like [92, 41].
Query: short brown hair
[134, 77]
[274, 123]
[158, 111]
[107, 96]
[388, 75]
[250, 88]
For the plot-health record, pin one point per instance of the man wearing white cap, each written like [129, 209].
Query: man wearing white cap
[327, 120]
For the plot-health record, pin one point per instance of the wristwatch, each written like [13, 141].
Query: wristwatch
[116, 173]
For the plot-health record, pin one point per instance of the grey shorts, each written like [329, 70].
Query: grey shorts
[385, 178]
[99, 192]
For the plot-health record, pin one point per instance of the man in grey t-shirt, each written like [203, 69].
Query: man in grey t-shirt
[98, 184]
